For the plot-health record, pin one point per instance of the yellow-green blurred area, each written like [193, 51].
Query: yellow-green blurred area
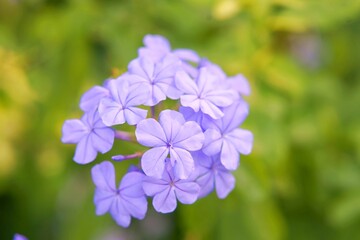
[301, 57]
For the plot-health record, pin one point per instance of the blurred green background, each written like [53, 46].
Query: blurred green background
[302, 59]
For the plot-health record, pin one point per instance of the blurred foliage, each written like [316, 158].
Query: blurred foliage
[302, 58]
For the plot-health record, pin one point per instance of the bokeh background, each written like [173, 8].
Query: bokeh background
[302, 59]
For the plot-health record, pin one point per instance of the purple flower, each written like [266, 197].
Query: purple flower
[123, 202]
[210, 174]
[169, 188]
[223, 135]
[170, 135]
[203, 94]
[121, 105]
[90, 135]
[157, 75]
[19, 237]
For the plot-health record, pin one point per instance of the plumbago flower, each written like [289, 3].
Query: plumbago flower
[123, 202]
[194, 145]
[168, 188]
[171, 136]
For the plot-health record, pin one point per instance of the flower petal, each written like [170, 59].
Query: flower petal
[187, 192]
[211, 109]
[92, 97]
[165, 201]
[185, 84]
[133, 115]
[153, 161]
[224, 183]
[131, 185]
[85, 151]
[150, 133]
[241, 139]
[102, 139]
[189, 137]
[103, 176]
[73, 131]
[119, 213]
[171, 121]
[229, 156]
[213, 142]
[153, 186]
[182, 161]
[111, 112]
[103, 200]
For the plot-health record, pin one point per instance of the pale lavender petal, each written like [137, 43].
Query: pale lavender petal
[189, 137]
[187, 192]
[85, 152]
[156, 96]
[111, 112]
[182, 161]
[136, 207]
[191, 101]
[119, 213]
[135, 68]
[211, 109]
[157, 42]
[73, 130]
[229, 156]
[212, 68]
[187, 55]
[171, 122]
[224, 183]
[153, 161]
[131, 185]
[185, 84]
[234, 115]
[138, 95]
[166, 69]
[133, 115]
[153, 186]
[103, 176]
[92, 97]
[102, 139]
[148, 67]
[119, 90]
[103, 200]
[241, 139]
[206, 182]
[221, 98]
[213, 142]
[240, 84]
[150, 133]
[165, 201]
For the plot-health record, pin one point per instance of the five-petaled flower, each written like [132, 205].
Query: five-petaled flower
[90, 134]
[169, 188]
[124, 202]
[171, 135]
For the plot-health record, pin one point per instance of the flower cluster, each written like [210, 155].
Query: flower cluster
[193, 148]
